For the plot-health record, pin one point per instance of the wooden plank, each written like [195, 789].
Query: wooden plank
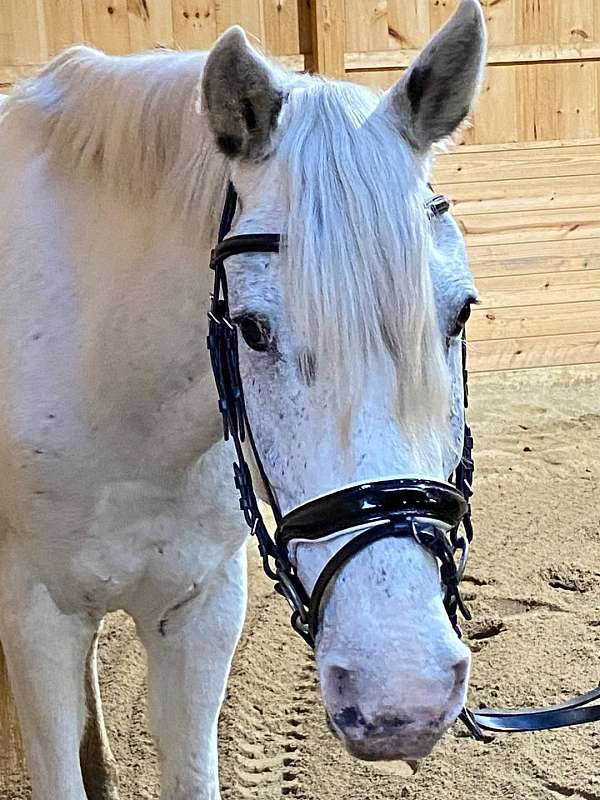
[408, 23]
[499, 90]
[533, 258]
[401, 57]
[305, 28]
[23, 32]
[366, 25]
[377, 79]
[539, 289]
[194, 23]
[150, 24]
[577, 100]
[64, 24]
[539, 101]
[465, 166]
[5, 33]
[537, 226]
[537, 119]
[106, 25]
[524, 321]
[328, 29]
[281, 24]
[535, 194]
[575, 21]
[247, 13]
[547, 144]
[440, 13]
[501, 21]
[535, 22]
[10, 75]
[535, 351]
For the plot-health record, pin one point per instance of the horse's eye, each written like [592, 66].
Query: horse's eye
[256, 332]
[462, 319]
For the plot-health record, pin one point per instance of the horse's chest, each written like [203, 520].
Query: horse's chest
[143, 552]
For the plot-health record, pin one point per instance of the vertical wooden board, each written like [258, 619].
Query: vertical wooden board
[499, 92]
[64, 24]
[537, 102]
[575, 21]
[408, 23]
[150, 24]
[329, 38]
[577, 95]
[366, 25]
[27, 31]
[440, 12]
[247, 13]
[281, 26]
[5, 33]
[194, 24]
[501, 20]
[536, 21]
[305, 26]
[106, 25]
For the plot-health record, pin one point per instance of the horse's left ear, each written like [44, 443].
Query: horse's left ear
[242, 95]
[439, 89]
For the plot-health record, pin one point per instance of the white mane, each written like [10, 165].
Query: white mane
[359, 282]
[130, 121]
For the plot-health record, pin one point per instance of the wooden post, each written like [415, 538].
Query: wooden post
[328, 25]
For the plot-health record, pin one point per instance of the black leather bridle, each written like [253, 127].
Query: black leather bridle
[436, 515]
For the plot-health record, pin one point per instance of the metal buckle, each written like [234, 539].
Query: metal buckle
[437, 206]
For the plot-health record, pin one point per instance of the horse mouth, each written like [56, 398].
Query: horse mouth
[386, 746]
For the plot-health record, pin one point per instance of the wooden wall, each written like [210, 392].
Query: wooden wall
[31, 31]
[542, 83]
[530, 214]
[543, 78]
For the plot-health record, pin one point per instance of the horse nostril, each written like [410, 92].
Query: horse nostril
[340, 682]
[349, 717]
[461, 674]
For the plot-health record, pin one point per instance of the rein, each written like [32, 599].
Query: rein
[436, 515]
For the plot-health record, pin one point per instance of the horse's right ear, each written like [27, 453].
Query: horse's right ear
[438, 90]
[242, 96]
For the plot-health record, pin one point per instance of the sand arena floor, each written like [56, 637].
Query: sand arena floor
[534, 587]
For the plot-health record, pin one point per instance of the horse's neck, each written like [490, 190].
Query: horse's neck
[147, 284]
[119, 292]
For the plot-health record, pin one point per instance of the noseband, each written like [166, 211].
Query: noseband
[434, 514]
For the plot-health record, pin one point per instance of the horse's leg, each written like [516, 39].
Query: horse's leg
[98, 764]
[45, 651]
[189, 656]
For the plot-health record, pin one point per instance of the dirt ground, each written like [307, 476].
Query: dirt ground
[533, 586]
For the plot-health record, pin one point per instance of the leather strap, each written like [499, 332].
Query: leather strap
[222, 342]
[576, 711]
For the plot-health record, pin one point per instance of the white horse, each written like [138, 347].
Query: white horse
[116, 491]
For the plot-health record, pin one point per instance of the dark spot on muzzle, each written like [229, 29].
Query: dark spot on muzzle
[351, 717]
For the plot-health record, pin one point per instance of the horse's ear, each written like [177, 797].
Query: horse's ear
[439, 89]
[242, 95]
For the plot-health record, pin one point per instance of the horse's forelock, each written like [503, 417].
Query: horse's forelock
[358, 282]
